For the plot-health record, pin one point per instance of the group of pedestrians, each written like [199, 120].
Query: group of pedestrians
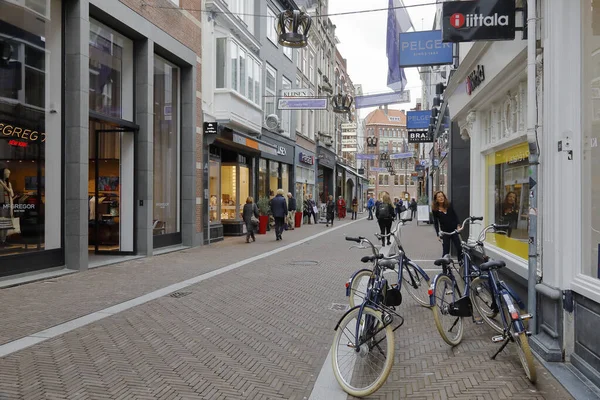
[282, 209]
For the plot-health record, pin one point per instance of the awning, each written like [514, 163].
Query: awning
[244, 142]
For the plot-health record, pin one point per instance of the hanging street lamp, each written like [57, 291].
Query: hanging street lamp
[293, 27]
[342, 103]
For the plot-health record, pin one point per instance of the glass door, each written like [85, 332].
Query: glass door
[113, 186]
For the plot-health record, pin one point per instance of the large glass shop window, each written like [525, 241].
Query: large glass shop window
[30, 129]
[285, 178]
[166, 148]
[508, 197]
[590, 106]
[262, 178]
[111, 69]
[214, 190]
[273, 178]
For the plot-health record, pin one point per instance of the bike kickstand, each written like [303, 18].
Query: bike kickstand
[501, 348]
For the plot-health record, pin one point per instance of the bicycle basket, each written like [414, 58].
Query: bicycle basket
[392, 296]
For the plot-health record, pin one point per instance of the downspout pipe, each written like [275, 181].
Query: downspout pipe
[533, 163]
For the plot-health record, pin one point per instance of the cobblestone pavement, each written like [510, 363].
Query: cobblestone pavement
[261, 331]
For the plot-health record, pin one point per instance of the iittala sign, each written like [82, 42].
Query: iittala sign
[469, 21]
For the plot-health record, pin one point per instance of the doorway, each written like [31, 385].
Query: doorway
[111, 190]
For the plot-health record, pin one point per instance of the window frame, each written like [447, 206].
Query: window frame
[270, 25]
[270, 94]
[251, 59]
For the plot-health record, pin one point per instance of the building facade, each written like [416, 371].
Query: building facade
[492, 117]
[388, 126]
[99, 131]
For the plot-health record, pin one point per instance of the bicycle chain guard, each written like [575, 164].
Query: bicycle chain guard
[461, 307]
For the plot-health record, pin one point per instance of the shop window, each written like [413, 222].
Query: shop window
[285, 178]
[262, 178]
[30, 139]
[507, 197]
[214, 191]
[111, 72]
[273, 178]
[229, 192]
[591, 136]
[166, 148]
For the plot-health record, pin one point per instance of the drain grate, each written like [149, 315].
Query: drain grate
[177, 295]
[339, 307]
[304, 262]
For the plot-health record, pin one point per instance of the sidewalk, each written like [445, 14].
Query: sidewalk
[261, 331]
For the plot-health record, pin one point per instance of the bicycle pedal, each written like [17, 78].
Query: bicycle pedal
[497, 339]
[478, 320]
[525, 317]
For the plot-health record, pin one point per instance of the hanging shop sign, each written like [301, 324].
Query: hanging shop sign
[418, 49]
[418, 119]
[420, 137]
[375, 100]
[302, 104]
[469, 21]
[362, 156]
[210, 128]
[306, 159]
[475, 78]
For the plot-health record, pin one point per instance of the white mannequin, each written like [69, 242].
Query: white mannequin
[6, 213]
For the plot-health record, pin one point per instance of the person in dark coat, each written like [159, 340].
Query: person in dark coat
[330, 210]
[280, 210]
[309, 208]
[385, 215]
[291, 211]
[413, 208]
[250, 209]
[446, 220]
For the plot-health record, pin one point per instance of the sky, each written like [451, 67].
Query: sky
[362, 42]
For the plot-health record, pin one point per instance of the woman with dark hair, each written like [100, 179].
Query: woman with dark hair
[446, 220]
[510, 212]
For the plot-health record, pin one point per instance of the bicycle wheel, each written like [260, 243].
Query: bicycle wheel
[523, 349]
[450, 327]
[525, 356]
[361, 373]
[358, 288]
[412, 276]
[482, 299]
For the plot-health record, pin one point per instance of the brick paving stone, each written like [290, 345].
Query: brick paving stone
[261, 331]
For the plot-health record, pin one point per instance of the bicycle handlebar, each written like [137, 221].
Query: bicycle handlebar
[467, 220]
[352, 239]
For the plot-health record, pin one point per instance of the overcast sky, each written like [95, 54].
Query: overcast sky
[362, 42]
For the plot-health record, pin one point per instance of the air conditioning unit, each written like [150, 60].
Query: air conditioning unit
[273, 123]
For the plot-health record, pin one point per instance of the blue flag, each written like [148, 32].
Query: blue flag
[398, 22]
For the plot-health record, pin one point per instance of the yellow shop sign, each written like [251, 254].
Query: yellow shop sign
[17, 132]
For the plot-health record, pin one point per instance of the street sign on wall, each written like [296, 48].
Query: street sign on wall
[424, 48]
[469, 21]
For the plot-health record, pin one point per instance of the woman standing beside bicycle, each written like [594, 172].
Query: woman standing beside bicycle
[446, 220]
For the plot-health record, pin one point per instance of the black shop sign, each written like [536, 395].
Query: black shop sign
[469, 21]
[475, 78]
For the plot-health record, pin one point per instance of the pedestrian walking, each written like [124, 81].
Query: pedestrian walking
[413, 208]
[354, 207]
[341, 208]
[446, 220]
[310, 208]
[385, 215]
[250, 217]
[280, 211]
[377, 204]
[330, 210]
[370, 206]
[291, 211]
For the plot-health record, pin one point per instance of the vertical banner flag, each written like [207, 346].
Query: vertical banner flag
[398, 22]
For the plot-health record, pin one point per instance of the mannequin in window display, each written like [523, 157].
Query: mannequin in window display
[6, 205]
[510, 212]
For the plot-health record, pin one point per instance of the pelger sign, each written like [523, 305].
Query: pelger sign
[468, 21]
[424, 48]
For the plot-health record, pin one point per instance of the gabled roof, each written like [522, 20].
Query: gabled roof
[379, 117]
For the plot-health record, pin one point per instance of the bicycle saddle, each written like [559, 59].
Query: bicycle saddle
[446, 260]
[388, 263]
[367, 259]
[493, 264]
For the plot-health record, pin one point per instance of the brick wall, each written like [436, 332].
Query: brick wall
[184, 24]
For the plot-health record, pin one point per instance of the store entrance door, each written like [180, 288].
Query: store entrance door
[112, 208]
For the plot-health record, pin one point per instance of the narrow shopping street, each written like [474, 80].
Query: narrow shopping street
[249, 321]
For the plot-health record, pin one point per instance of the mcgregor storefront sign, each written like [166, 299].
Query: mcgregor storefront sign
[19, 133]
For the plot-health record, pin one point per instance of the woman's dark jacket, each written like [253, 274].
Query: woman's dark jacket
[249, 210]
[446, 222]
